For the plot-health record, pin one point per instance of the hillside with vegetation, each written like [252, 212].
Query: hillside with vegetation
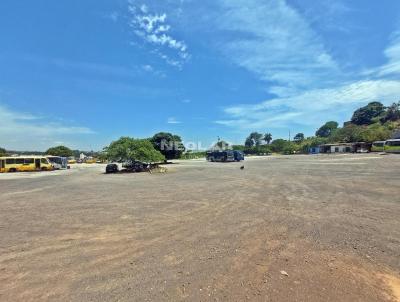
[373, 122]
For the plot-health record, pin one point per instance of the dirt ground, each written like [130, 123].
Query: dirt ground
[288, 228]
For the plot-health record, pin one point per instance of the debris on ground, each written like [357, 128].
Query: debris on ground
[284, 273]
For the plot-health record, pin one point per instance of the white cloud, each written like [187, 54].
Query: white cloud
[313, 107]
[154, 29]
[278, 44]
[173, 120]
[392, 53]
[147, 68]
[19, 130]
[272, 40]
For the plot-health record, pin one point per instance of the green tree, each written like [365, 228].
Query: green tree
[3, 152]
[278, 145]
[238, 147]
[299, 137]
[130, 149]
[392, 113]
[249, 142]
[312, 142]
[60, 151]
[327, 129]
[268, 138]
[254, 139]
[284, 146]
[168, 144]
[221, 145]
[375, 132]
[368, 114]
[349, 134]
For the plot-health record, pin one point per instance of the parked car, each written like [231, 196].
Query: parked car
[221, 156]
[238, 155]
[135, 166]
[112, 168]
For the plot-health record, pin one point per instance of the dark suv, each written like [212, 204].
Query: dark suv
[112, 168]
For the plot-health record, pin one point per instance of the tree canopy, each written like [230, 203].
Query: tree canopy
[354, 133]
[60, 151]
[327, 129]
[368, 114]
[3, 152]
[130, 149]
[268, 138]
[168, 144]
[392, 113]
[299, 137]
[254, 139]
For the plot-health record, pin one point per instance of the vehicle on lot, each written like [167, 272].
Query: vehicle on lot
[378, 146]
[112, 168]
[220, 156]
[239, 155]
[392, 146]
[135, 166]
[58, 162]
[24, 164]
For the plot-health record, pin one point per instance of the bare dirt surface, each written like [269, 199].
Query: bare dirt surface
[294, 228]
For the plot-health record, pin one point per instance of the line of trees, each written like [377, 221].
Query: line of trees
[369, 123]
[160, 147]
[373, 122]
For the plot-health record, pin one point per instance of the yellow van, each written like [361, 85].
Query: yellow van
[23, 164]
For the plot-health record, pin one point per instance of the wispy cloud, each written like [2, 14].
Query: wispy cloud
[392, 53]
[279, 46]
[310, 108]
[328, 15]
[154, 29]
[173, 120]
[272, 40]
[19, 130]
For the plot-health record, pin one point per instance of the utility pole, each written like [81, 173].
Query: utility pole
[289, 135]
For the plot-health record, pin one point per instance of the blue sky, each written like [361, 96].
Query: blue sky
[83, 73]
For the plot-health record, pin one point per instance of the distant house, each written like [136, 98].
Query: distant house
[337, 148]
[314, 150]
[358, 147]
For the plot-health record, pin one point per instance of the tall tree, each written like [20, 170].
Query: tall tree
[392, 113]
[249, 142]
[254, 139]
[130, 149]
[268, 137]
[299, 137]
[366, 115]
[168, 144]
[327, 129]
[60, 151]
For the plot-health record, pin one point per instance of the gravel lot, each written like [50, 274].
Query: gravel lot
[287, 228]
